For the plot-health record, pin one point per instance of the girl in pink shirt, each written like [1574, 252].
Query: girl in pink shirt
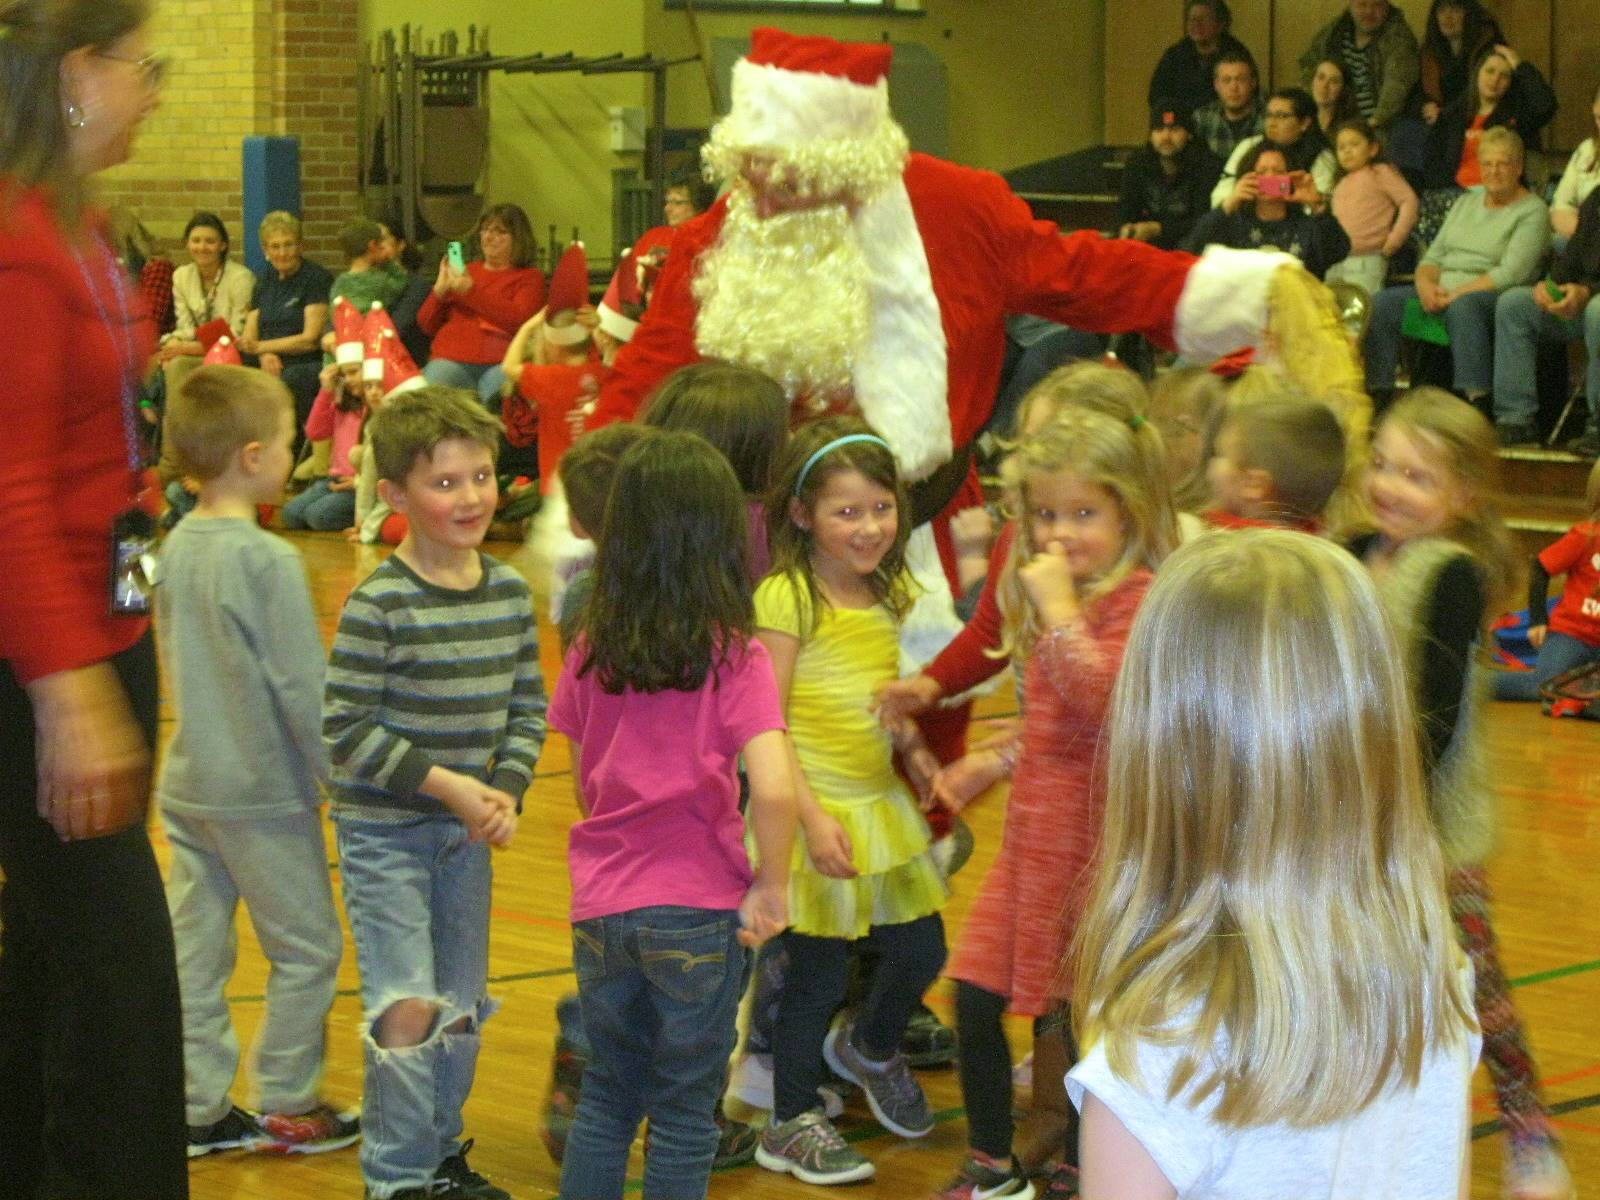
[663, 691]
[1374, 204]
[337, 415]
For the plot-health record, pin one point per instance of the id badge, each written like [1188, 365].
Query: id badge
[133, 563]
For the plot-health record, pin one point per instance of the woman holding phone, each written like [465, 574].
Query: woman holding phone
[1276, 217]
[477, 307]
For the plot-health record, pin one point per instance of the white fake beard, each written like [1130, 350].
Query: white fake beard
[787, 295]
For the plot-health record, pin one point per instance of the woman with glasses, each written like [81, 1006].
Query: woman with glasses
[1291, 126]
[91, 1062]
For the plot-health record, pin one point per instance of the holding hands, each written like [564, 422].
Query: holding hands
[490, 815]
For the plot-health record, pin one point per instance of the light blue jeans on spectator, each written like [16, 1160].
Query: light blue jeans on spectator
[1519, 326]
[1470, 321]
[321, 508]
[417, 895]
[483, 378]
[660, 990]
[1560, 652]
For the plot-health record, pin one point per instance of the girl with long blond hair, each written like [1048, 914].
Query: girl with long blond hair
[1268, 993]
[1093, 520]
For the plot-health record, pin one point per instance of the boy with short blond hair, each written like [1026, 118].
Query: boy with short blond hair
[240, 786]
[434, 717]
[1275, 462]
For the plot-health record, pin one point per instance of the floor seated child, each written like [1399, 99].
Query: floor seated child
[337, 415]
[1275, 463]
[422, 788]
[1269, 995]
[240, 787]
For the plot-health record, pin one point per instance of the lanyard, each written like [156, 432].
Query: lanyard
[127, 353]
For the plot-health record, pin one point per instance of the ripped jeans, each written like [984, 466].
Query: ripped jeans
[417, 895]
[660, 990]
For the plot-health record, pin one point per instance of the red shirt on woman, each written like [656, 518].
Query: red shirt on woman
[476, 326]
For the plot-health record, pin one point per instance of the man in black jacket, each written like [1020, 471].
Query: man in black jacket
[1166, 186]
[1183, 77]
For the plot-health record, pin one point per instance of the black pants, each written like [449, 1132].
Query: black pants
[985, 1058]
[91, 1035]
[911, 956]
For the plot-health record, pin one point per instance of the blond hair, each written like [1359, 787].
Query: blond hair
[278, 221]
[219, 410]
[1087, 383]
[1468, 449]
[1123, 457]
[1190, 400]
[1270, 896]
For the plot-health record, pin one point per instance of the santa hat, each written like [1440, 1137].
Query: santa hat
[387, 360]
[792, 89]
[224, 353]
[621, 298]
[208, 333]
[349, 334]
[569, 291]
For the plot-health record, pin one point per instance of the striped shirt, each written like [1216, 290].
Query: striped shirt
[424, 676]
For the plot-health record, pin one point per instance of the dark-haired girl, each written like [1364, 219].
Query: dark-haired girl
[662, 693]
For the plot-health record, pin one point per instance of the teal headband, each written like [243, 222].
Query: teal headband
[832, 446]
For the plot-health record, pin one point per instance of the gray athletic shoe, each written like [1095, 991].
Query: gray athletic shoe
[895, 1097]
[810, 1148]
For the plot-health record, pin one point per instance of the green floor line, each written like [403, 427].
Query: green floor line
[517, 977]
[1555, 973]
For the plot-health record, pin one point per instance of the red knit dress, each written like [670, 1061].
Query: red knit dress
[1015, 941]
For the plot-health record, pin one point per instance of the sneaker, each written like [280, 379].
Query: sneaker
[1512, 434]
[895, 1097]
[736, 1142]
[1535, 1170]
[457, 1181]
[237, 1130]
[561, 1103]
[981, 1178]
[1062, 1183]
[810, 1149]
[315, 1132]
[928, 1041]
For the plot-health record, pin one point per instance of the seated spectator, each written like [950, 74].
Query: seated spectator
[1273, 222]
[408, 307]
[1577, 181]
[208, 287]
[1336, 103]
[1183, 78]
[688, 195]
[1166, 185]
[1378, 52]
[1525, 316]
[371, 272]
[473, 314]
[1456, 35]
[337, 416]
[283, 332]
[1236, 112]
[1291, 126]
[1373, 203]
[1504, 91]
[1494, 238]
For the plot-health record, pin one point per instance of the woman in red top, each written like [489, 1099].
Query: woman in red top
[91, 1048]
[473, 314]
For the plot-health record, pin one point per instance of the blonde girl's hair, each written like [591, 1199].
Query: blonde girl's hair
[1125, 458]
[1269, 898]
[1087, 383]
[1190, 400]
[1467, 447]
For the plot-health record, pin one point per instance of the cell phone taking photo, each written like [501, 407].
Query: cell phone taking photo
[1274, 187]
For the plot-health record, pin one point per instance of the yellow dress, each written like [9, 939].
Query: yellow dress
[848, 762]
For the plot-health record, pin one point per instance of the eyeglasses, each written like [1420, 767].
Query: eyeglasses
[153, 68]
[1279, 116]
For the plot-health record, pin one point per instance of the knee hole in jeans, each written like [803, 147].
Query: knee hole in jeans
[405, 1022]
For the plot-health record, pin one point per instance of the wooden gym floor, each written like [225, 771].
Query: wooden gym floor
[1548, 917]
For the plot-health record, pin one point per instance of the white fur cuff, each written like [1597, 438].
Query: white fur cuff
[1224, 303]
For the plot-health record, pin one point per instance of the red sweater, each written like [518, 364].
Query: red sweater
[963, 663]
[477, 326]
[64, 474]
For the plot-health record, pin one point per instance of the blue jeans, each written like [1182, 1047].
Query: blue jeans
[1560, 652]
[660, 989]
[321, 508]
[483, 378]
[1519, 326]
[417, 895]
[1470, 321]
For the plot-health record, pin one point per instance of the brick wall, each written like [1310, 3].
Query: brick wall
[243, 68]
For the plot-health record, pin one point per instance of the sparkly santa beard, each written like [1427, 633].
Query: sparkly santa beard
[787, 295]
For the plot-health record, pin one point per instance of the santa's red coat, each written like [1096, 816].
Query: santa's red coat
[988, 258]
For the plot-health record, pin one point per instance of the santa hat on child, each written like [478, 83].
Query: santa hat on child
[349, 333]
[569, 291]
[622, 305]
[387, 360]
[224, 353]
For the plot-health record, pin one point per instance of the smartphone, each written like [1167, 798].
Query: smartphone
[1274, 187]
[458, 261]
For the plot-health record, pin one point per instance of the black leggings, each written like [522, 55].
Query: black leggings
[911, 956]
[985, 1058]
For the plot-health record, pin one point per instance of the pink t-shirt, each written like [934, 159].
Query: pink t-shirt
[659, 771]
